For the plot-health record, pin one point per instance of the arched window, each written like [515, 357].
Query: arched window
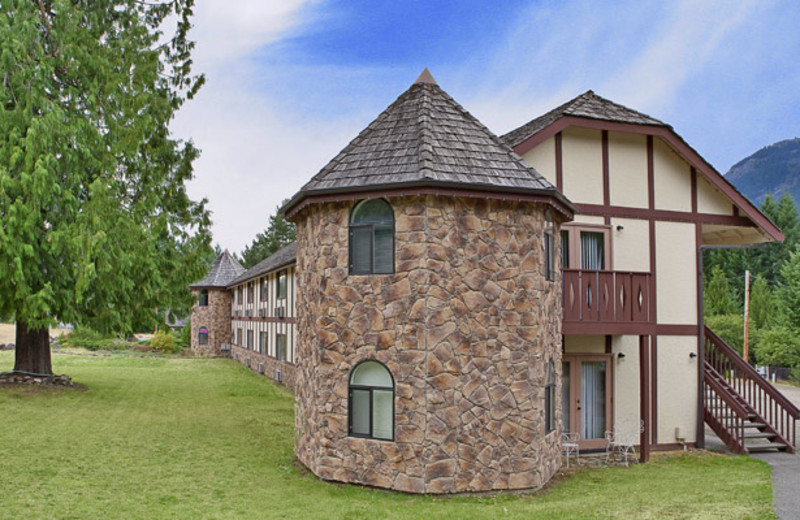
[549, 248]
[203, 336]
[371, 403]
[203, 301]
[372, 238]
[550, 398]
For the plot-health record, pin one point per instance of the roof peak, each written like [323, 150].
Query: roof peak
[425, 77]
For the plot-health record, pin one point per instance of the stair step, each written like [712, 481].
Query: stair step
[755, 425]
[759, 435]
[758, 448]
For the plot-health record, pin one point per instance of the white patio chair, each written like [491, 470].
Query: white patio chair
[622, 441]
[569, 445]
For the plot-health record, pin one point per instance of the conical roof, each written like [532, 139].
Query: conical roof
[588, 105]
[224, 269]
[425, 138]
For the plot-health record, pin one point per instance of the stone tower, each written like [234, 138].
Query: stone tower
[429, 307]
[211, 313]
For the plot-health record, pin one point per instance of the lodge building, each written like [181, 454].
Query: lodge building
[455, 300]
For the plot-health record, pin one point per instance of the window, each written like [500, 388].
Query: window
[280, 347]
[282, 284]
[203, 301]
[371, 402]
[550, 398]
[251, 292]
[240, 295]
[262, 342]
[203, 336]
[549, 248]
[249, 340]
[239, 337]
[264, 293]
[372, 238]
[585, 247]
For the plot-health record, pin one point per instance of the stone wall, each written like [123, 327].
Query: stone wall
[465, 325]
[216, 317]
[288, 370]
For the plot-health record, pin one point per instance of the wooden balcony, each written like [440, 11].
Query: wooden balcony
[606, 302]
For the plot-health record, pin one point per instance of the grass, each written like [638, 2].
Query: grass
[201, 438]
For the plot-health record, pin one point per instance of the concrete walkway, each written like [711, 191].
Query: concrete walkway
[785, 467]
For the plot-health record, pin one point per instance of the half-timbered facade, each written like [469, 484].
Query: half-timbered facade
[456, 300]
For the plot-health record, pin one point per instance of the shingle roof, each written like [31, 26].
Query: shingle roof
[425, 138]
[588, 105]
[281, 258]
[224, 269]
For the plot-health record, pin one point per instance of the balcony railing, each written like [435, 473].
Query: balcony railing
[606, 302]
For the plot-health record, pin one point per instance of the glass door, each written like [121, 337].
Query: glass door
[586, 398]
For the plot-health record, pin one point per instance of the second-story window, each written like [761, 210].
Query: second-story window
[203, 301]
[585, 247]
[251, 292]
[282, 284]
[264, 293]
[372, 238]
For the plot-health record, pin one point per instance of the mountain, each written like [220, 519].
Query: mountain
[773, 169]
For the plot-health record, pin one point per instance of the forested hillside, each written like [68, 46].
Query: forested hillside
[774, 169]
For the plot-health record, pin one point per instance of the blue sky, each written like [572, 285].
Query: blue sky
[290, 82]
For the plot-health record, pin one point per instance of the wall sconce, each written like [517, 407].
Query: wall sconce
[621, 355]
[620, 228]
[692, 355]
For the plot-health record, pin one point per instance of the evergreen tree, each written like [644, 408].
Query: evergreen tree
[96, 227]
[717, 293]
[762, 305]
[280, 232]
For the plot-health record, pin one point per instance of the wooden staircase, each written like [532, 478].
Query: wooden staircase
[744, 410]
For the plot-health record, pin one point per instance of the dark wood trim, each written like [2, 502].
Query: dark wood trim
[694, 190]
[594, 328]
[664, 329]
[663, 214]
[559, 163]
[700, 429]
[654, 389]
[673, 140]
[644, 397]
[651, 176]
[606, 180]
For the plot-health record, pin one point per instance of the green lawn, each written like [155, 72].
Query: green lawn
[200, 438]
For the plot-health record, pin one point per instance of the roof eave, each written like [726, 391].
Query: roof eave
[564, 205]
[676, 141]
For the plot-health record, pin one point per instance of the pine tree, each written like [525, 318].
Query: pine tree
[97, 227]
[280, 232]
[717, 293]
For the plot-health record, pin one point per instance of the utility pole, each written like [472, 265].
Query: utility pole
[746, 313]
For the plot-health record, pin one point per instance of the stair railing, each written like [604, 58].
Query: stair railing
[723, 412]
[769, 404]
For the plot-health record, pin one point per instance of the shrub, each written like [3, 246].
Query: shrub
[163, 341]
[87, 338]
[182, 337]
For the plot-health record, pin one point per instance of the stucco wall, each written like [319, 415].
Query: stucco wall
[465, 325]
[676, 273]
[582, 156]
[677, 388]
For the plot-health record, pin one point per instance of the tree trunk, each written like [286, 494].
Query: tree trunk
[33, 350]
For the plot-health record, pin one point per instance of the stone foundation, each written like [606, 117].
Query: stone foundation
[288, 370]
[466, 326]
